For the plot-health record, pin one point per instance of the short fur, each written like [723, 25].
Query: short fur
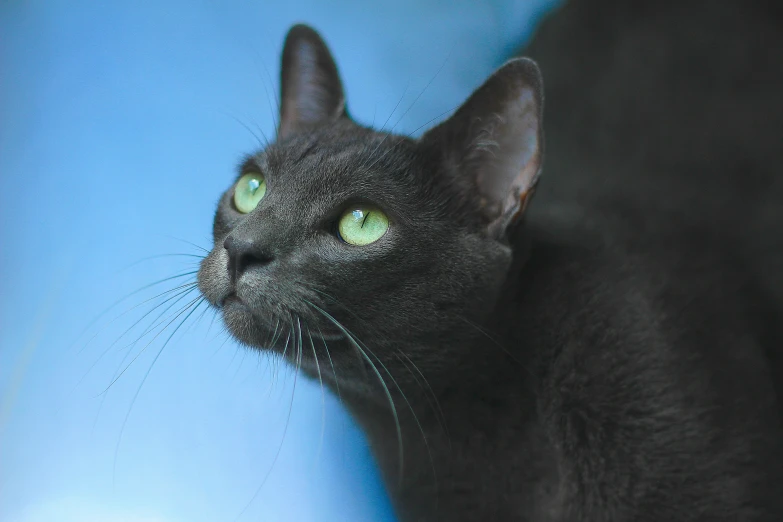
[608, 350]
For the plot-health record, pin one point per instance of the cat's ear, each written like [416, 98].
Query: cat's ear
[494, 142]
[311, 91]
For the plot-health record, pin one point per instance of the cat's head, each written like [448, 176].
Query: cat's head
[367, 247]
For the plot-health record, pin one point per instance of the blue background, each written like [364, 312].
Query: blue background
[120, 124]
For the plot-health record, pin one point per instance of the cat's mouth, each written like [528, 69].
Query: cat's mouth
[234, 307]
[232, 299]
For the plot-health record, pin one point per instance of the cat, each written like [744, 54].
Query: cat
[609, 349]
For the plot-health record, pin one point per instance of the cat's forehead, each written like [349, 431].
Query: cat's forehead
[339, 164]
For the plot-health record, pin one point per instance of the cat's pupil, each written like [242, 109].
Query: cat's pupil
[253, 185]
[360, 217]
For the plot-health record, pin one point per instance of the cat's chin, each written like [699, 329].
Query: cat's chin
[243, 324]
[249, 329]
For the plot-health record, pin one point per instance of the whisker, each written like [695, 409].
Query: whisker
[387, 134]
[323, 396]
[159, 256]
[155, 323]
[271, 360]
[103, 394]
[377, 160]
[334, 372]
[144, 379]
[225, 341]
[353, 341]
[431, 397]
[239, 366]
[427, 86]
[395, 107]
[122, 299]
[151, 341]
[496, 343]
[181, 294]
[279, 335]
[181, 291]
[211, 322]
[285, 430]
[261, 143]
[272, 112]
[285, 348]
[382, 156]
[276, 360]
[413, 412]
[436, 407]
[271, 342]
[199, 318]
[341, 305]
[439, 116]
[187, 242]
[233, 358]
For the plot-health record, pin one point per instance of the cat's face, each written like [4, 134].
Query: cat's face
[341, 247]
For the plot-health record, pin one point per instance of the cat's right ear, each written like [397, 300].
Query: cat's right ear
[493, 144]
[311, 91]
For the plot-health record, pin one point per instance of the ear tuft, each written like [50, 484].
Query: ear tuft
[495, 140]
[311, 91]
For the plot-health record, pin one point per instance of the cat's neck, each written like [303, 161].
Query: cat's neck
[521, 335]
[444, 434]
[500, 373]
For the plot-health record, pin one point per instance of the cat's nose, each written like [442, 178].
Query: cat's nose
[244, 254]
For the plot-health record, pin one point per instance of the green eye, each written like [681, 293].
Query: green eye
[362, 225]
[249, 191]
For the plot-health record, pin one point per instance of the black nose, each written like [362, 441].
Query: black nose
[244, 254]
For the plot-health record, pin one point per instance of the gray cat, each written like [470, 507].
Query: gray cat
[609, 349]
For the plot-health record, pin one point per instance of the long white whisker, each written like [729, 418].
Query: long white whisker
[206, 251]
[115, 376]
[274, 333]
[285, 430]
[190, 285]
[331, 363]
[124, 298]
[182, 294]
[149, 343]
[382, 156]
[427, 388]
[276, 360]
[147, 374]
[323, 396]
[413, 412]
[389, 397]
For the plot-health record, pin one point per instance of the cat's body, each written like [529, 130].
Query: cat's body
[616, 354]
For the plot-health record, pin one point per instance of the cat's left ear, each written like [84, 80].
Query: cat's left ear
[311, 91]
[494, 143]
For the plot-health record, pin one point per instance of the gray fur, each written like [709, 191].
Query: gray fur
[609, 350]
